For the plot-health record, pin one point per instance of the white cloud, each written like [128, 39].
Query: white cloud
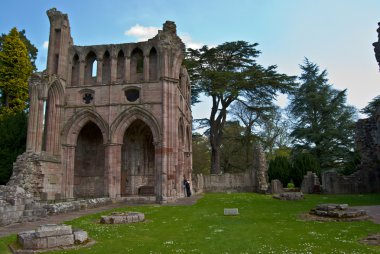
[143, 33]
[186, 38]
[45, 45]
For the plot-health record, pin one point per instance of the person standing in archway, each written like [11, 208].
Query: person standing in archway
[186, 185]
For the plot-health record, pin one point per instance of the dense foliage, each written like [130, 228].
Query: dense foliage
[201, 154]
[226, 73]
[13, 130]
[15, 69]
[370, 109]
[323, 123]
[32, 50]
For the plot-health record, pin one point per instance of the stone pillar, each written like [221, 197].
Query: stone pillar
[146, 68]
[127, 70]
[40, 125]
[160, 171]
[99, 71]
[113, 170]
[113, 68]
[68, 161]
[32, 119]
[81, 71]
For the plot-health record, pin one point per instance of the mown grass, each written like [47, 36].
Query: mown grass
[265, 225]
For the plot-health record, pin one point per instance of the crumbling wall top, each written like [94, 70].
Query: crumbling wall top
[377, 46]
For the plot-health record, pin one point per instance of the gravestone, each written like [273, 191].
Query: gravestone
[231, 211]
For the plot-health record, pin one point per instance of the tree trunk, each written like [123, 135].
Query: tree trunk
[215, 160]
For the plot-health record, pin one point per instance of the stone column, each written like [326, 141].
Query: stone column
[160, 171]
[40, 125]
[68, 161]
[146, 68]
[113, 170]
[81, 72]
[32, 119]
[127, 70]
[99, 71]
[113, 69]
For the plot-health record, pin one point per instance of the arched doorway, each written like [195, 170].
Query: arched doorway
[89, 170]
[138, 169]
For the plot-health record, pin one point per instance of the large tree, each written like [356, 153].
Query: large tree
[32, 50]
[225, 73]
[324, 123]
[15, 69]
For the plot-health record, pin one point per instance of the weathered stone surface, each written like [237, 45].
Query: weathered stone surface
[276, 187]
[49, 236]
[337, 211]
[310, 183]
[53, 230]
[134, 114]
[372, 239]
[121, 218]
[289, 196]
[260, 167]
[80, 236]
[231, 211]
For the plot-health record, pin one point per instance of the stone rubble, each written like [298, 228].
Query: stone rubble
[310, 183]
[122, 218]
[337, 211]
[289, 196]
[47, 237]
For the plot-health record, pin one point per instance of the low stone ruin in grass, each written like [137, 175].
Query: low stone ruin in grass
[122, 218]
[372, 239]
[48, 237]
[337, 212]
[289, 196]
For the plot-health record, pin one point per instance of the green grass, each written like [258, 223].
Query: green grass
[265, 225]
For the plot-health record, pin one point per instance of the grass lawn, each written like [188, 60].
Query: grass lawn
[265, 225]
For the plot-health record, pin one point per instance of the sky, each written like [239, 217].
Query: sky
[335, 34]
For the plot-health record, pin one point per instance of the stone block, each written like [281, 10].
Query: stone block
[53, 230]
[52, 242]
[28, 213]
[231, 211]
[65, 240]
[80, 236]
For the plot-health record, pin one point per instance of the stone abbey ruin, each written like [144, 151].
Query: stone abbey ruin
[114, 121]
[108, 120]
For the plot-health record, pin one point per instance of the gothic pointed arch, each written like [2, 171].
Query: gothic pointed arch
[127, 117]
[153, 64]
[54, 100]
[75, 124]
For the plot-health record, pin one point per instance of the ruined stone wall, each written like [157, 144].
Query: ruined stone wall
[89, 99]
[240, 182]
[367, 177]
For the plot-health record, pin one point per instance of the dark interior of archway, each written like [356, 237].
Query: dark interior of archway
[89, 163]
[137, 174]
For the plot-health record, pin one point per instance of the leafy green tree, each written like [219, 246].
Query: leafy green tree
[201, 154]
[225, 73]
[233, 149]
[323, 123]
[32, 50]
[301, 163]
[280, 168]
[370, 109]
[13, 129]
[15, 69]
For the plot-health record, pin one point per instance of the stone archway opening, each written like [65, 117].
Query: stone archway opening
[138, 169]
[89, 166]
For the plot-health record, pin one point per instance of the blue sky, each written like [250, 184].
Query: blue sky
[335, 34]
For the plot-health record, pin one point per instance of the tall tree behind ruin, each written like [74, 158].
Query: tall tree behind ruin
[32, 50]
[225, 73]
[324, 124]
[15, 69]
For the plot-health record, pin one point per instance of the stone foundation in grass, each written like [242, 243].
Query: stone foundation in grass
[122, 218]
[48, 237]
